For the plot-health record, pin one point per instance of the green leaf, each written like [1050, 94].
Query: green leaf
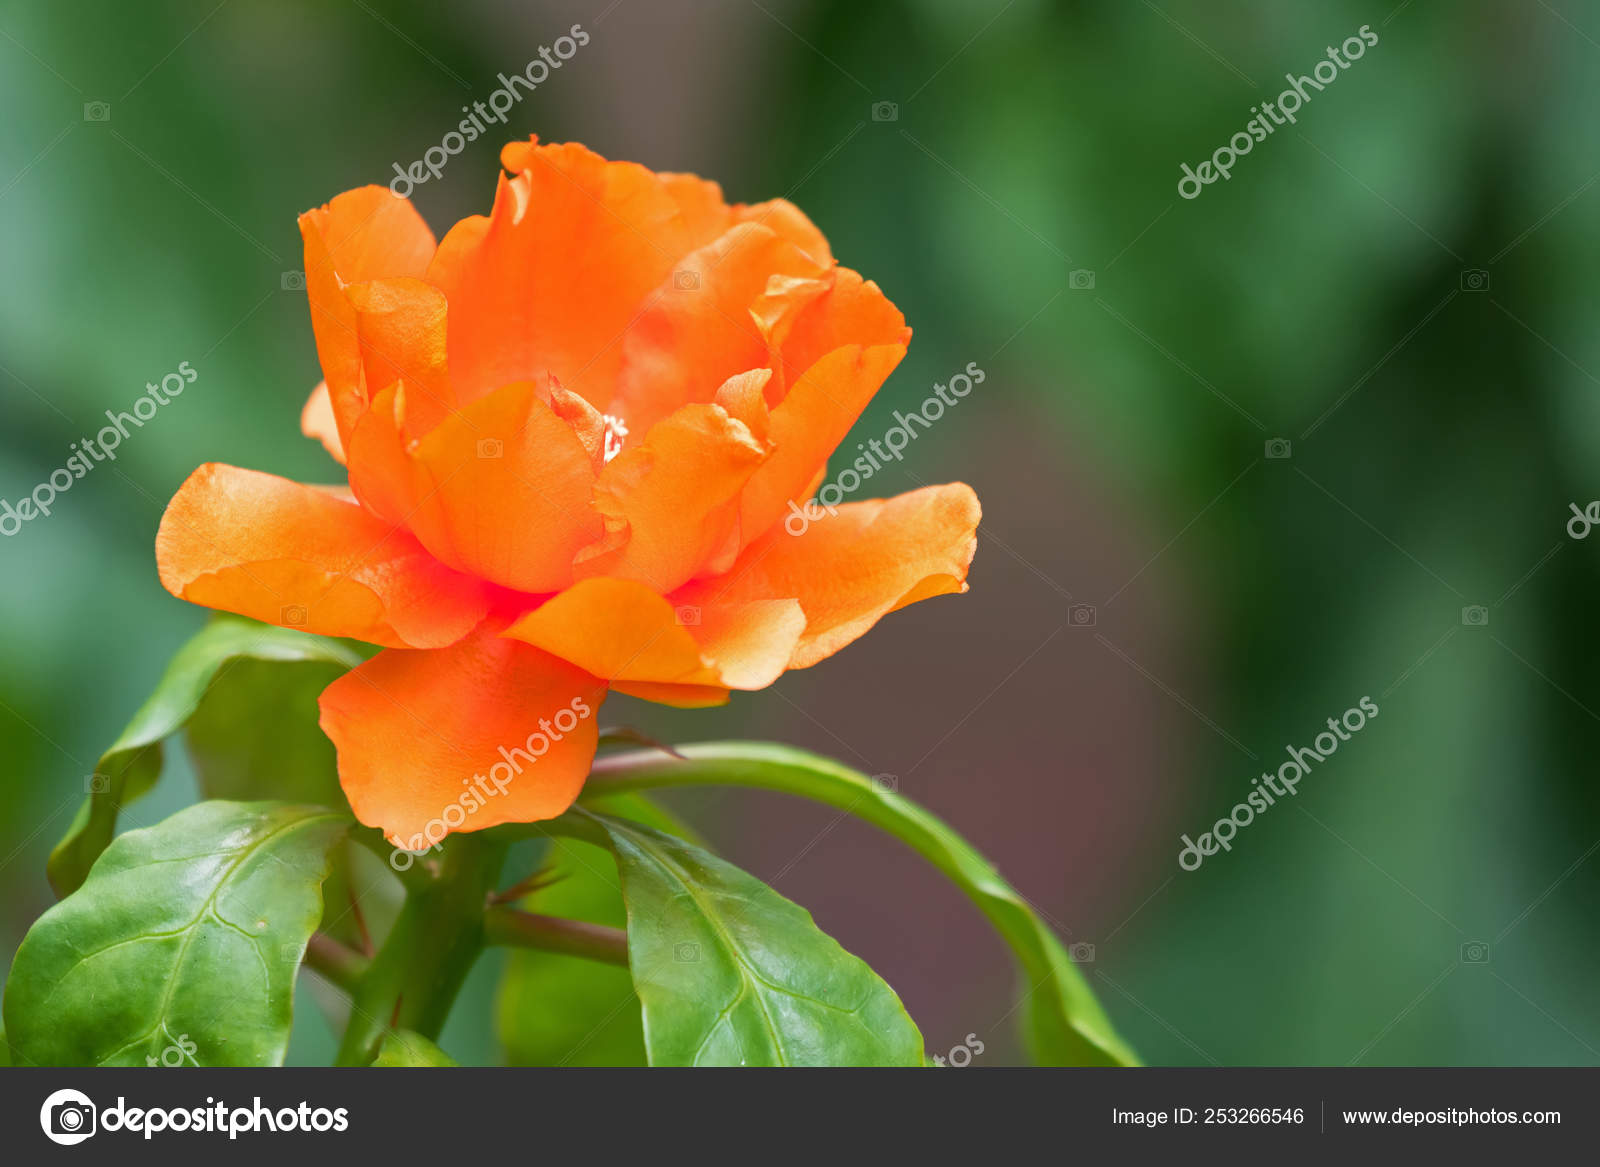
[559, 1010]
[185, 936]
[255, 734]
[1064, 1024]
[133, 763]
[730, 973]
[402, 1047]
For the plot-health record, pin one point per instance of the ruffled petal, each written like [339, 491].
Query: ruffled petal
[401, 328]
[792, 223]
[624, 632]
[573, 246]
[851, 568]
[501, 489]
[808, 425]
[697, 330]
[485, 732]
[317, 421]
[365, 234]
[302, 557]
[671, 504]
[680, 696]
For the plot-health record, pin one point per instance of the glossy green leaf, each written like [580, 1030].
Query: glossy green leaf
[559, 1010]
[730, 973]
[402, 1047]
[255, 735]
[185, 937]
[133, 763]
[1065, 1025]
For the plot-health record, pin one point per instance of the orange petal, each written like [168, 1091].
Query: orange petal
[299, 556]
[741, 395]
[697, 330]
[670, 504]
[573, 246]
[851, 568]
[622, 631]
[851, 311]
[705, 212]
[401, 329]
[808, 425]
[362, 235]
[317, 421]
[484, 732]
[501, 489]
[681, 696]
[791, 222]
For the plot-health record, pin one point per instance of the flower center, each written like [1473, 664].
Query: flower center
[616, 430]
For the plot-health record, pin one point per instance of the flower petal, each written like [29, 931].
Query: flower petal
[623, 631]
[680, 696]
[849, 311]
[573, 245]
[671, 504]
[484, 732]
[697, 330]
[362, 235]
[851, 568]
[317, 421]
[792, 223]
[401, 328]
[808, 425]
[299, 556]
[501, 489]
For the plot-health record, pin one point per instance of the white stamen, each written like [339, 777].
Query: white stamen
[616, 430]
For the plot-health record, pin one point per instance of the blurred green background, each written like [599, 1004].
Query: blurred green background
[1438, 424]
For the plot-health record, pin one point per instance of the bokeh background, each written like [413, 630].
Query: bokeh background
[1401, 288]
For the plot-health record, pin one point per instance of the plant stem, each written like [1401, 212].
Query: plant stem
[413, 980]
[518, 929]
[342, 965]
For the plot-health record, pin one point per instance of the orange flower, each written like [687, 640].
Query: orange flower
[573, 429]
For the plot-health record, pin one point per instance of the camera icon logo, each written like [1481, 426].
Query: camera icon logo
[687, 615]
[1475, 616]
[886, 783]
[1081, 953]
[885, 111]
[491, 448]
[96, 111]
[686, 953]
[1081, 615]
[1081, 280]
[1475, 952]
[97, 784]
[1474, 279]
[295, 616]
[1279, 448]
[68, 1117]
[686, 281]
[292, 281]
